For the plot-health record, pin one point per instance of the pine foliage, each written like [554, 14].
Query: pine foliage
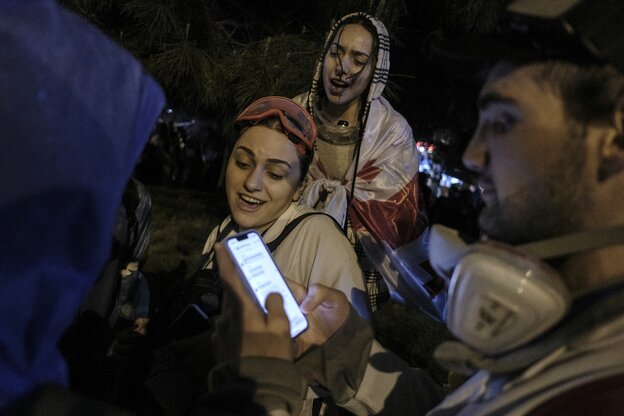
[188, 73]
[209, 62]
[473, 16]
[213, 57]
[276, 65]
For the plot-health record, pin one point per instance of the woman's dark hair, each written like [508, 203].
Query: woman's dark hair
[370, 28]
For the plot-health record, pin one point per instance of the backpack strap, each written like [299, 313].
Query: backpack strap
[182, 287]
[207, 257]
[273, 245]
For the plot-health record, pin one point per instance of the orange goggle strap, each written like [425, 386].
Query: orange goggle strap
[294, 119]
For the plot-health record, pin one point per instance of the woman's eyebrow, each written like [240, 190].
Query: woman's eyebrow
[246, 150]
[354, 52]
[272, 160]
[279, 161]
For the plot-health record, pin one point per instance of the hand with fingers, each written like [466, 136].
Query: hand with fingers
[242, 329]
[326, 309]
[256, 373]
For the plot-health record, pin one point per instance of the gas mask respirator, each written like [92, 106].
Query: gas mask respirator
[500, 297]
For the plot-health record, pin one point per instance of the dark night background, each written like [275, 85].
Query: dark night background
[214, 57]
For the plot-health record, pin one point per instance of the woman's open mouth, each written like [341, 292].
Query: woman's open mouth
[339, 84]
[337, 87]
[250, 201]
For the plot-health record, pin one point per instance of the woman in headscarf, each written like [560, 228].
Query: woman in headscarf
[365, 167]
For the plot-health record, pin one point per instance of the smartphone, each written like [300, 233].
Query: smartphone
[262, 277]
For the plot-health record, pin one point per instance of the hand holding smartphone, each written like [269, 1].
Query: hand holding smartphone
[262, 277]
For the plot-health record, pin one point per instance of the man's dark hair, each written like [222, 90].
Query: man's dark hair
[591, 93]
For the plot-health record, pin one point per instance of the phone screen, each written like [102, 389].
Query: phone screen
[256, 264]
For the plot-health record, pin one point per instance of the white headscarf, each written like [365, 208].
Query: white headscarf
[380, 73]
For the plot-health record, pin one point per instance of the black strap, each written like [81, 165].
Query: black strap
[207, 257]
[273, 245]
[229, 227]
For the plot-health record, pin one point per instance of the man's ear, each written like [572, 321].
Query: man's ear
[612, 149]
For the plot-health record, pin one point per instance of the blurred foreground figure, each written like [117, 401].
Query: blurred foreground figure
[537, 305]
[75, 112]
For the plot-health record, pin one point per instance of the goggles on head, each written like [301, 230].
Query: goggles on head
[297, 123]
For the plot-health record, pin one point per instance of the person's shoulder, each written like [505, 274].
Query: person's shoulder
[301, 99]
[385, 122]
[317, 223]
[312, 215]
[381, 108]
[381, 104]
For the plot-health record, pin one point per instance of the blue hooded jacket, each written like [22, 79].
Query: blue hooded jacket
[75, 112]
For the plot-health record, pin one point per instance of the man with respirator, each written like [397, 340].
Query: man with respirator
[538, 304]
